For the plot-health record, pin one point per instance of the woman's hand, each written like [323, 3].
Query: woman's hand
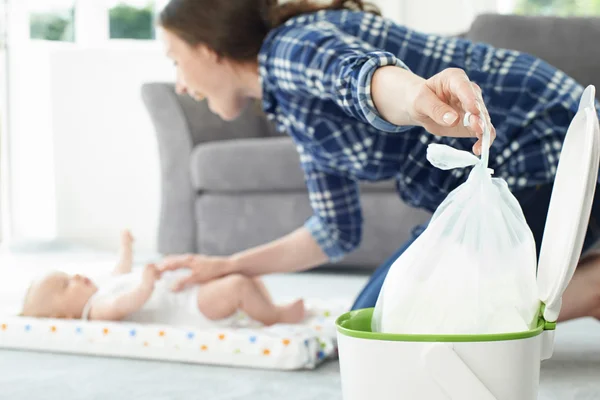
[296, 251]
[203, 268]
[438, 104]
[441, 102]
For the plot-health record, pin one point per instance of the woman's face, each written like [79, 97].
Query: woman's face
[206, 75]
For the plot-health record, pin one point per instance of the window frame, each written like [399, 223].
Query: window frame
[91, 25]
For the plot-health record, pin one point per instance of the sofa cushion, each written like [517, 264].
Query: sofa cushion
[567, 43]
[228, 223]
[253, 165]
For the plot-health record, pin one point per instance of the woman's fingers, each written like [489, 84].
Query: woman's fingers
[430, 105]
[473, 122]
[485, 112]
[202, 268]
[449, 104]
[448, 96]
[458, 84]
[477, 147]
[172, 263]
[476, 124]
[185, 282]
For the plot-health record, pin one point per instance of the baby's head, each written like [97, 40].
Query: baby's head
[58, 295]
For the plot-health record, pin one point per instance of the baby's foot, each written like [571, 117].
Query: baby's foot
[292, 313]
[126, 239]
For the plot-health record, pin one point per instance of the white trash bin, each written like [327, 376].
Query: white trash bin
[485, 367]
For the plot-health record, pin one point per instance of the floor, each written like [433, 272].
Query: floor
[573, 372]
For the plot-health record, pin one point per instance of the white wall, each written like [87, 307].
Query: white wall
[436, 16]
[105, 155]
[32, 185]
[30, 201]
[393, 9]
[84, 161]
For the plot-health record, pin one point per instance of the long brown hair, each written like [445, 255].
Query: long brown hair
[235, 29]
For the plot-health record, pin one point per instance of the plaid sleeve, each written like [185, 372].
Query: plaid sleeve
[321, 61]
[336, 224]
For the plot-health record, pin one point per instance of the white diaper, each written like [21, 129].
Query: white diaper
[164, 306]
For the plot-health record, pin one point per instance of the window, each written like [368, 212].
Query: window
[132, 19]
[91, 21]
[557, 7]
[52, 20]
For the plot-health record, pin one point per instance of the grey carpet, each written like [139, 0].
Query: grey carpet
[572, 373]
[44, 376]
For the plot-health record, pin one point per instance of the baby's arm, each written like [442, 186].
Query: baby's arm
[121, 306]
[126, 254]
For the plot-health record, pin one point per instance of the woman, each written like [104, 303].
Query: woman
[362, 98]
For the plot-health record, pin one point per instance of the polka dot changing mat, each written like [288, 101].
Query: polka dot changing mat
[285, 347]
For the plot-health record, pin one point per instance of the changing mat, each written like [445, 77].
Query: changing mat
[285, 347]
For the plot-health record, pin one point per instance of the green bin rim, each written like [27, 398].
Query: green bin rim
[361, 329]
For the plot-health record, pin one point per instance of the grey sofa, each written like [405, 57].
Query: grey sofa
[230, 186]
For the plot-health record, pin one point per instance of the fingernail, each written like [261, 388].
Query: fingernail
[450, 118]
[467, 119]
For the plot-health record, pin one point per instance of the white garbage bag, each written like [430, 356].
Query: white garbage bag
[473, 270]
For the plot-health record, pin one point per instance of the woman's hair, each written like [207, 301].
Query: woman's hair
[235, 29]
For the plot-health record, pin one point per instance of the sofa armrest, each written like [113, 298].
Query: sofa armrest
[181, 123]
[177, 227]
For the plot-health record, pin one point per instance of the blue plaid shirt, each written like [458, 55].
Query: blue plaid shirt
[316, 74]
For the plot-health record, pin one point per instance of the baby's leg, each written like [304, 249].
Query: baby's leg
[263, 289]
[125, 254]
[221, 298]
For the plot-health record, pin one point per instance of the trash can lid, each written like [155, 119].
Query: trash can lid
[570, 205]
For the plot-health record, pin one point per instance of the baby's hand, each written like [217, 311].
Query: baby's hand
[150, 275]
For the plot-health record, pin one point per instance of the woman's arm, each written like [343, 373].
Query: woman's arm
[294, 252]
[320, 61]
[297, 251]
[371, 85]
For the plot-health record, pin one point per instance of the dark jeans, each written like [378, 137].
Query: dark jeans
[534, 202]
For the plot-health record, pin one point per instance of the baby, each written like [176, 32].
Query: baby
[146, 297]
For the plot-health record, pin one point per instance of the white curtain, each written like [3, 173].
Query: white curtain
[3, 116]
